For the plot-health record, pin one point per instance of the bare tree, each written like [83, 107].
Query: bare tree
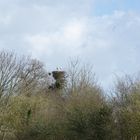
[10, 70]
[80, 77]
[20, 75]
[123, 87]
[125, 103]
[33, 77]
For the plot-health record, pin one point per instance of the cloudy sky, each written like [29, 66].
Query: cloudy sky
[103, 33]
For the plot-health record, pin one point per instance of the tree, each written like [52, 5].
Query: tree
[80, 78]
[126, 106]
[20, 75]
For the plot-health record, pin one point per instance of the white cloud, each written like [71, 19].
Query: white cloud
[66, 41]
[5, 19]
[54, 31]
[74, 31]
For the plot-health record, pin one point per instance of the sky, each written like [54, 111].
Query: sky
[102, 33]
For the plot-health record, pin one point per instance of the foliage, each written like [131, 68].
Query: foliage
[79, 110]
